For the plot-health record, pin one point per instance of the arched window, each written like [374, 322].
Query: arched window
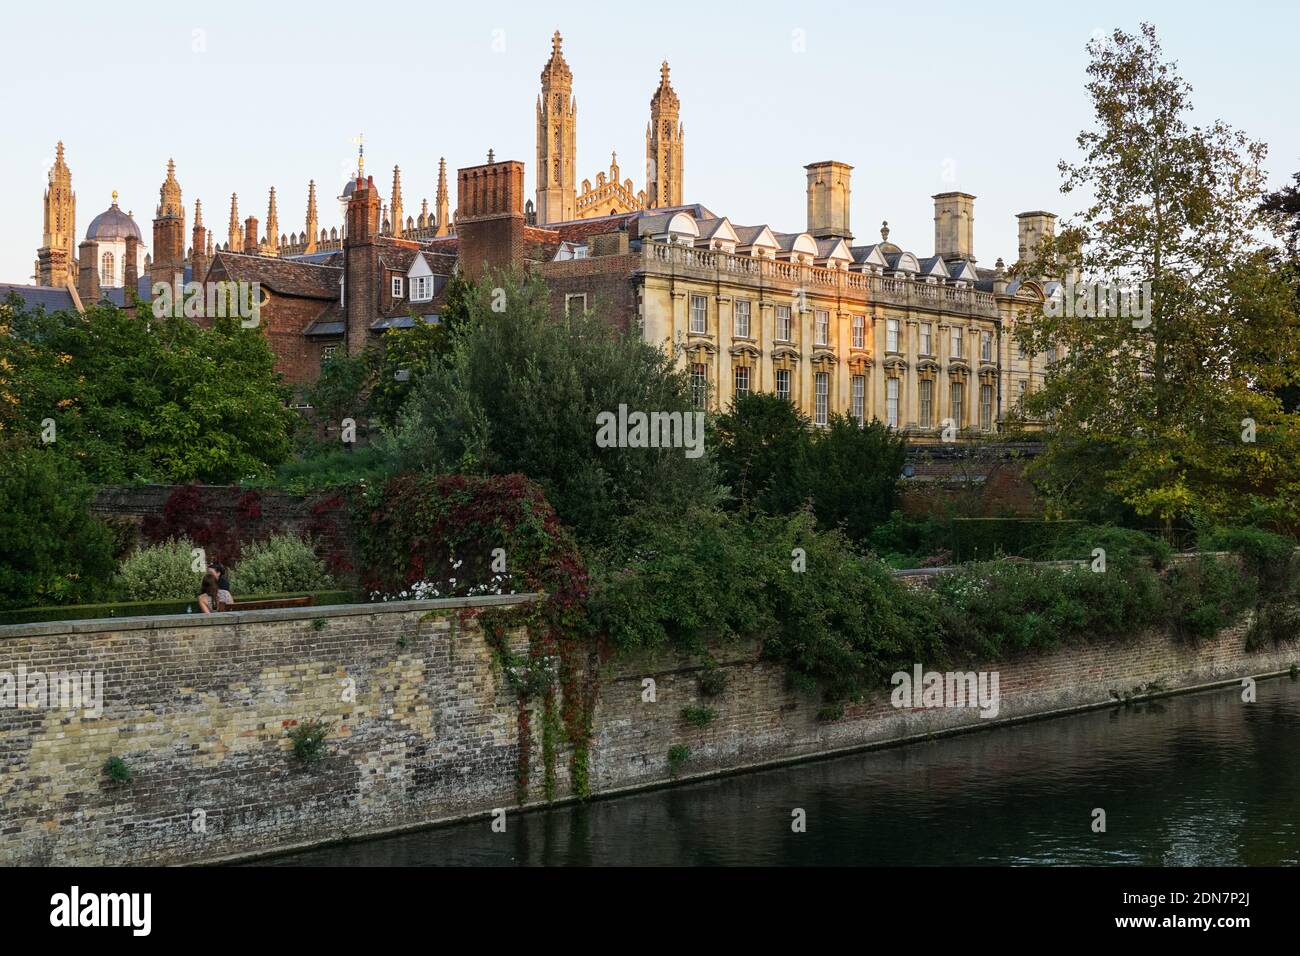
[106, 269]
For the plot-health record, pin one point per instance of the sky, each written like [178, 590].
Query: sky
[919, 98]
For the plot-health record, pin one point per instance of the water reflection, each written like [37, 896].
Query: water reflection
[1198, 780]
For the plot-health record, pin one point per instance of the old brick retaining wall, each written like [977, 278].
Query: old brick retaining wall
[198, 708]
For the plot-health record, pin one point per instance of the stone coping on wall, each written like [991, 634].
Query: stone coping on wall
[105, 624]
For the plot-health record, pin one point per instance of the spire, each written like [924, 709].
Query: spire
[665, 97]
[272, 227]
[312, 222]
[55, 259]
[444, 207]
[236, 240]
[555, 67]
[198, 251]
[663, 146]
[396, 203]
[361, 156]
[169, 195]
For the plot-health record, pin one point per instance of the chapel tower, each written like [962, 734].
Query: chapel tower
[663, 146]
[557, 141]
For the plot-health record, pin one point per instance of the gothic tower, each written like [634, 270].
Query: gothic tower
[169, 233]
[443, 207]
[236, 241]
[313, 224]
[557, 141]
[272, 227]
[199, 249]
[663, 146]
[55, 263]
[395, 204]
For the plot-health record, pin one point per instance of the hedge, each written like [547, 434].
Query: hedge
[985, 539]
[90, 612]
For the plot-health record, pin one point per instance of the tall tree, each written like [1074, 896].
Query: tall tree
[137, 396]
[1167, 411]
[524, 392]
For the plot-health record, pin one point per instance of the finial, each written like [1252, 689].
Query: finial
[556, 40]
[171, 169]
[114, 197]
[491, 156]
[663, 73]
[60, 151]
[884, 231]
[361, 155]
[1000, 266]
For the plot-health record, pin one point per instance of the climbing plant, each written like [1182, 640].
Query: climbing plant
[423, 535]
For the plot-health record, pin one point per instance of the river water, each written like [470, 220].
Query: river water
[1201, 779]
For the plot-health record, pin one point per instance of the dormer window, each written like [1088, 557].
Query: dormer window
[397, 287]
[421, 288]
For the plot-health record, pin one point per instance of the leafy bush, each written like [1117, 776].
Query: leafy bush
[698, 716]
[326, 465]
[284, 562]
[987, 610]
[308, 740]
[832, 616]
[1206, 595]
[160, 572]
[986, 539]
[1124, 547]
[52, 549]
[116, 769]
[912, 541]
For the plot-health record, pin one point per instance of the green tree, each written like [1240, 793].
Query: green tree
[407, 354]
[854, 470]
[1169, 413]
[137, 396]
[52, 549]
[341, 389]
[762, 453]
[522, 392]
[775, 462]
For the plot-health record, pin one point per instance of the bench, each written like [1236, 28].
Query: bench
[304, 601]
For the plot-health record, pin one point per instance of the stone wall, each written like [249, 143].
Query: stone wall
[199, 708]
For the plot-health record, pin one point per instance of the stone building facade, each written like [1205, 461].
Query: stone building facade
[924, 342]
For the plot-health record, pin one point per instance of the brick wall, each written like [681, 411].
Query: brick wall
[198, 707]
[608, 282]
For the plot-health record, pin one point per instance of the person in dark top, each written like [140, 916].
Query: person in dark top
[209, 601]
[224, 597]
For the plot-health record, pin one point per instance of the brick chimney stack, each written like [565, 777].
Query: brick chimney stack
[250, 236]
[490, 216]
[361, 268]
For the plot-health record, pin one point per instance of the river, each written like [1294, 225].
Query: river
[1199, 779]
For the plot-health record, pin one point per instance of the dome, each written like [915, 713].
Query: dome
[112, 223]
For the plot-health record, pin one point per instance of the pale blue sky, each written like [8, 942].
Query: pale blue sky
[919, 97]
